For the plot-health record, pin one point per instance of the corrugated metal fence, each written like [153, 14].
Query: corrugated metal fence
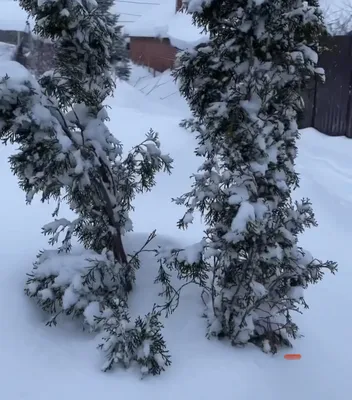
[328, 106]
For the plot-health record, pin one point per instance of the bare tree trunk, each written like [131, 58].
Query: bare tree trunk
[116, 242]
[19, 55]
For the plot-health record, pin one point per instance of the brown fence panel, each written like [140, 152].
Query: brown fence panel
[332, 99]
[348, 88]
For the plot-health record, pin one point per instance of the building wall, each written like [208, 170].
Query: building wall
[154, 53]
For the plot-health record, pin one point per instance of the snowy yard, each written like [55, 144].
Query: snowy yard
[38, 362]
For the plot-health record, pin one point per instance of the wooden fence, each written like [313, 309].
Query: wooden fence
[328, 106]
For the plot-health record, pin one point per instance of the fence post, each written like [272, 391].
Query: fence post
[348, 132]
[314, 107]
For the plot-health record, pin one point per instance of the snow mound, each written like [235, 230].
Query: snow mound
[6, 51]
[144, 99]
[15, 71]
[160, 88]
[161, 22]
[132, 11]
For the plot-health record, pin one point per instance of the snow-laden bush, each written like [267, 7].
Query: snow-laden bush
[79, 285]
[87, 285]
[140, 343]
[244, 89]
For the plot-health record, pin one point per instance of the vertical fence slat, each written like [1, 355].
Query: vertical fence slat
[330, 112]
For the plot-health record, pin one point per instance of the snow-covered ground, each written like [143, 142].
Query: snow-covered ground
[6, 50]
[38, 362]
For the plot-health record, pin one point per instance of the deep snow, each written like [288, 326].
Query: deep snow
[38, 362]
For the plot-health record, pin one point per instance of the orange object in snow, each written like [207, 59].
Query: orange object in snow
[292, 356]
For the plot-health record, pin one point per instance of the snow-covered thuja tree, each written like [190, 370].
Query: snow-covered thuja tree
[67, 153]
[243, 87]
[88, 43]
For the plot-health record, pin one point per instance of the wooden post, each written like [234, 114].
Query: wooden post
[179, 5]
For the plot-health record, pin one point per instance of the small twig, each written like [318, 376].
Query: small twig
[137, 2]
[52, 320]
[142, 249]
[133, 15]
[139, 79]
[154, 87]
[168, 305]
[169, 95]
